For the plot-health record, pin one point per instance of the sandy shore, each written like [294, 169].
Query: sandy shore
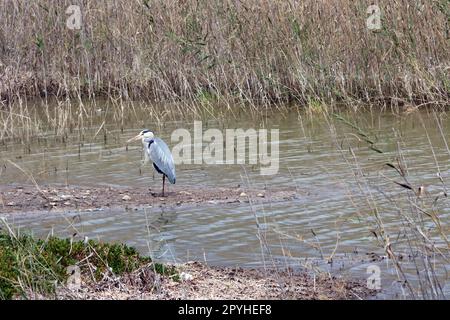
[16, 199]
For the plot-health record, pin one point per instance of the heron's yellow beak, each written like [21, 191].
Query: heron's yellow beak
[139, 136]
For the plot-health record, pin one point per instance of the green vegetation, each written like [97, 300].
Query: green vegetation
[39, 266]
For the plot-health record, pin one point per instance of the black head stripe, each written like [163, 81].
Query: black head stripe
[145, 131]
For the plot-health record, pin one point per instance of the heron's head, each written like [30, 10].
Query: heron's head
[145, 136]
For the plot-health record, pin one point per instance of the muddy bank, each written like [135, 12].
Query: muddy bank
[15, 199]
[198, 281]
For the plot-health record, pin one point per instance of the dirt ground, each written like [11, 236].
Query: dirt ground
[204, 282]
[29, 199]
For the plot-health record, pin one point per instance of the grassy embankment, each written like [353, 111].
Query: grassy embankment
[32, 267]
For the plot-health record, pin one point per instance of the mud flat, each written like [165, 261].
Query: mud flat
[51, 198]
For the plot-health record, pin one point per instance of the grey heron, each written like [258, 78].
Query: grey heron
[156, 150]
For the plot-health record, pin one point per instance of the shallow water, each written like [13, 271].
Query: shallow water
[339, 189]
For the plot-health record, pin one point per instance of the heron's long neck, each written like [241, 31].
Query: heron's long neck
[147, 142]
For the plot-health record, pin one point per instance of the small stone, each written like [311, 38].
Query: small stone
[260, 195]
[243, 194]
[421, 191]
[10, 204]
[126, 198]
[186, 276]
[67, 203]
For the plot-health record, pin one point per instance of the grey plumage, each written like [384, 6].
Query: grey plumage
[158, 151]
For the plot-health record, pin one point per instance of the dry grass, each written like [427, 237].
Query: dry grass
[416, 244]
[194, 58]
[258, 52]
[220, 283]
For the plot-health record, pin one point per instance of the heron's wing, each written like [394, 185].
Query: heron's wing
[159, 153]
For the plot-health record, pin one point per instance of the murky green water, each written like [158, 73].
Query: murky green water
[340, 179]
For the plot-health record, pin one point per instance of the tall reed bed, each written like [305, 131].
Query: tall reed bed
[257, 52]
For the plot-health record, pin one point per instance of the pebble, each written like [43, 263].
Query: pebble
[186, 276]
[260, 195]
[243, 194]
[126, 198]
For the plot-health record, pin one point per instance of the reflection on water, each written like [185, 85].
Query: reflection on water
[333, 218]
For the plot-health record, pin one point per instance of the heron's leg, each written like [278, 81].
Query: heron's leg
[164, 180]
